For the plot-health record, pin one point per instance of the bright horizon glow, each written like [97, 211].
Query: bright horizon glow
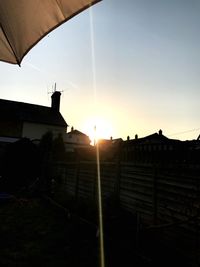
[97, 128]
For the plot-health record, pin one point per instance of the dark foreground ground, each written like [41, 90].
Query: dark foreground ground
[35, 233]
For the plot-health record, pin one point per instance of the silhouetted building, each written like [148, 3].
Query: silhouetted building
[75, 140]
[18, 120]
[109, 148]
[154, 148]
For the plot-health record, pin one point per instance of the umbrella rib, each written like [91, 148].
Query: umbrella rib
[60, 8]
[18, 62]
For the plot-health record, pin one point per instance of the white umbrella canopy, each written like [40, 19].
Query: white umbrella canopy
[23, 23]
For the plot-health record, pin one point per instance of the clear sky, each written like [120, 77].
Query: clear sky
[132, 64]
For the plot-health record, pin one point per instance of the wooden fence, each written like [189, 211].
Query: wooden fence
[166, 198]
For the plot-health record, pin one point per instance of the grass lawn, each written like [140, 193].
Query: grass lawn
[35, 233]
[32, 233]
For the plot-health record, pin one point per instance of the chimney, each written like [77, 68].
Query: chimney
[55, 101]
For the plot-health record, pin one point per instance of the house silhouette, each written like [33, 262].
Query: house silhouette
[18, 120]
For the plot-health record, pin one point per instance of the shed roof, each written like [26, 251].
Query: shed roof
[76, 132]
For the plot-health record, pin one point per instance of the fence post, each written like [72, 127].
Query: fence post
[138, 225]
[94, 180]
[197, 226]
[118, 175]
[155, 194]
[77, 181]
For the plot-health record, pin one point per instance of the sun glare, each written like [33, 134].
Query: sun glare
[98, 128]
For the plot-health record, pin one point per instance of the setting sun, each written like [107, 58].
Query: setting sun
[98, 128]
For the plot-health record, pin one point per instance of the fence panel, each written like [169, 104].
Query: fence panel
[166, 197]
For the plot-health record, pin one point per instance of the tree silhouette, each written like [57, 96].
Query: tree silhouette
[51, 152]
[20, 164]
[58, 151]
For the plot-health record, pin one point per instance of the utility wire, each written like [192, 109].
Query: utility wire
[184, 132]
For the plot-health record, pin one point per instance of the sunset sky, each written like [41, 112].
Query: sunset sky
[131, 67]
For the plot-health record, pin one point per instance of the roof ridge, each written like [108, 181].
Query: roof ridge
[26, 103]
[29, 112]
